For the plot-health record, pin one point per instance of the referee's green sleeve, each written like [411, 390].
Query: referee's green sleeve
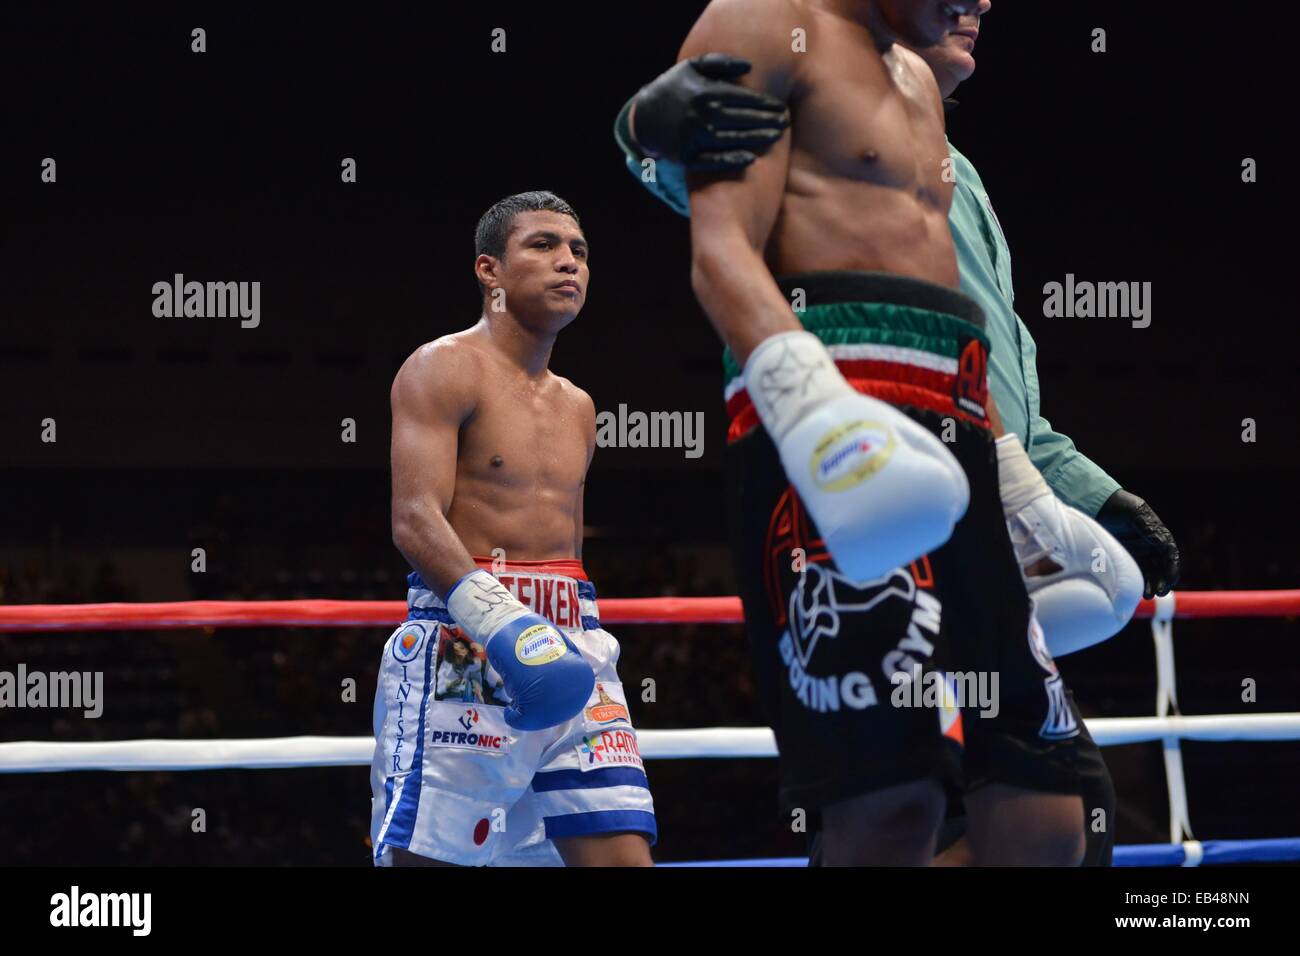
[1076, 478]
[984, 262]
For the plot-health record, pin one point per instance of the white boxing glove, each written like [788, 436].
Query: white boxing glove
[881, 489]
[1084, 584]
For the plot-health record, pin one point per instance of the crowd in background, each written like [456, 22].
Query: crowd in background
[234, 682]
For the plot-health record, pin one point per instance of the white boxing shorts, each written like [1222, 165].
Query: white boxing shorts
[451, 781]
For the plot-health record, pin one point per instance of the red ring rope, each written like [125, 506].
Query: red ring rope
[658, 610]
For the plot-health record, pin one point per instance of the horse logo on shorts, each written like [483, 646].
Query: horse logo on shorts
[822, 594]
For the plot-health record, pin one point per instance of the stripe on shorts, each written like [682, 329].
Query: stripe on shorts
[400, 825]
[602, 821]
[553, 780]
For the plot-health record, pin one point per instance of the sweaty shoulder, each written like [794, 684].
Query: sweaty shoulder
[443, 375]
[579, 401]
[760, 31]
[921, 73]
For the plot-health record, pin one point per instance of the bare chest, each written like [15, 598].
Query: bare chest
[873, 120]
[525, 437]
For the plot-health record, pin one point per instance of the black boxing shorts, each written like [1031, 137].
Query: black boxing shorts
[935, 670]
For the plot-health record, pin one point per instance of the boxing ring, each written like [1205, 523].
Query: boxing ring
[1168, 724]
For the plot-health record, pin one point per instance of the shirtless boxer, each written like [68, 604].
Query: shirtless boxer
[490, 453]
[693, 115]
[846, 220]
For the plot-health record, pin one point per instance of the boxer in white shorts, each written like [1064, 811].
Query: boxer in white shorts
[485, 793]
[502, 734]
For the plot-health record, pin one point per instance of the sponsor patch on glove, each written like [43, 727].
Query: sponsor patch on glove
[539, 644]
[851, 453]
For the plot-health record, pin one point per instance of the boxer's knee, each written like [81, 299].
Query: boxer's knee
[605, 849]
[1012, 826]
[895, 826]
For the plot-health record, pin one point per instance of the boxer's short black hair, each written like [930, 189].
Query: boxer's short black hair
[495, 225]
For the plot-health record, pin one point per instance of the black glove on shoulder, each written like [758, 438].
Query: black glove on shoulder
[693, 113]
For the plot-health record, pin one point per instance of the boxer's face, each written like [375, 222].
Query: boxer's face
[923, 23]
[544, 271]
[953, 58]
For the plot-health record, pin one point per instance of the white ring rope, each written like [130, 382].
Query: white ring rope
[715, 742]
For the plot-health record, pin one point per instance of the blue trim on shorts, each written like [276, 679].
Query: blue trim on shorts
[436, 614]
[602, 821]
[388, 802]
[552, 780]
[402, 825]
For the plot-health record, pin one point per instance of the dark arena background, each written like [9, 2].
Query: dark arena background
[182, 433]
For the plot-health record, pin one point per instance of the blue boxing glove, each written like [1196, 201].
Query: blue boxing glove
[545, 676]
